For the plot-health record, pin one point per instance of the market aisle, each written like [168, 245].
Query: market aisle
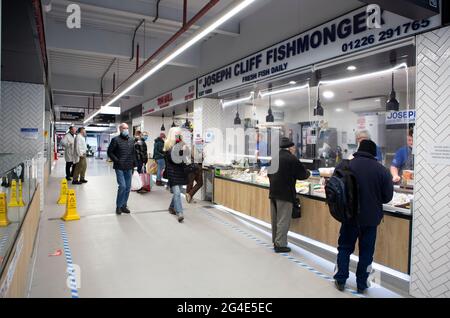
[149, 254]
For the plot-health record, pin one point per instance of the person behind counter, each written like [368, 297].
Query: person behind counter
[375, 188]
[282, 193]
[363, 134]
[404, 158]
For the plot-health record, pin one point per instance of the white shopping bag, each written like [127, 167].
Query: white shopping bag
[136, 182]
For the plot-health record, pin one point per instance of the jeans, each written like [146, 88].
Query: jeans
[176, 199]
[124, 182]
[161, 165]
[346, 245]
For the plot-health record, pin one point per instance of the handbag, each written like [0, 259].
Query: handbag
[152, 166]
[191, 168]
[296, 209]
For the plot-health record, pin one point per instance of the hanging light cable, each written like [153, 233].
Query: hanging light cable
[392, 104]
[162, 126]
[269, 117]
[173, 119]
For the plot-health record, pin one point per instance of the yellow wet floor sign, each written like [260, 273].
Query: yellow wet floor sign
[13, 198]
[3, 211]
[20, 198]
[63, 192]
[71, 207]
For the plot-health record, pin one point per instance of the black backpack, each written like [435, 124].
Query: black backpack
[342, 194]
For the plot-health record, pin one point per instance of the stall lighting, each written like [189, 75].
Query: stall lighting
[392, 104]
[162, 126]
[292, 82]
[283, 90]
[235, 9]
[364, 76]
[280, 103]
[351, 68]
[237, 119]
[238, 101]
[328, 94]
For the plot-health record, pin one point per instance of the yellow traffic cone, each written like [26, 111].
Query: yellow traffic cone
[13, 199]
[71, 207]
[3, 211]
[63, 192]
[20, 198]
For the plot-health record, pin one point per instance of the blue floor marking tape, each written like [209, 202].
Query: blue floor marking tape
[68, 255]
[287, 256]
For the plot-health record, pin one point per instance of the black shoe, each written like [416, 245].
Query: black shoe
[361, 290]
[83, 181]
[159, 183]
[76, 182]
[282, 249]
[68, 178]
[172, 211]
[125, 210]
[118, 211]
[339, 286]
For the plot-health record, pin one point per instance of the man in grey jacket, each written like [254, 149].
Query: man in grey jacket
[68, 143]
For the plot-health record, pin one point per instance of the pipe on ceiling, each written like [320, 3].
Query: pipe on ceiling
[157, 11]
[173, 38]
[134, 38]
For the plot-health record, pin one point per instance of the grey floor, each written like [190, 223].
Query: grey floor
[149, 254]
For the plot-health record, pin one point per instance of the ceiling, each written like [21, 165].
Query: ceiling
[20, 56]
[102, 47]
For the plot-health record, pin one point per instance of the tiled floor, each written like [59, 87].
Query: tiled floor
[149, 254]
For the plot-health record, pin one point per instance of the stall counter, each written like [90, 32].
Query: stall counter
[252, 198]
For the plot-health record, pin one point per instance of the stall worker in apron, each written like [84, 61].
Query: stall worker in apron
[404, 159]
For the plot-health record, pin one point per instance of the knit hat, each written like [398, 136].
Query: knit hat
[368, 146]
[286, 143]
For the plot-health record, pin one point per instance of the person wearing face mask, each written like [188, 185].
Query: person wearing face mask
[404, 158]
[141, 150]
[122, 152]
[68, 144]
[80, 162]
[282, 193]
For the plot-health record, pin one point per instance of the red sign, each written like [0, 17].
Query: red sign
[165, 100]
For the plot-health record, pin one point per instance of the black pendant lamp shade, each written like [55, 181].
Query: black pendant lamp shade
[187, 123]
[237, 119]
[269, 117]
[162, 126]
[318, 110]
[392, 104]
[173, 119]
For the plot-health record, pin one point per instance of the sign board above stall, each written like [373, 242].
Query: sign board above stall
[349, 33]
[413, 9]
[401, 117]
[175, 97]
[71, 116]
[104, 119]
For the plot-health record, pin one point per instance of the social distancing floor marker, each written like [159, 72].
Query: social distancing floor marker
[68, 256]
[286, 255]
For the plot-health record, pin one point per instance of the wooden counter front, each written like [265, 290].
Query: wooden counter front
[392, 249]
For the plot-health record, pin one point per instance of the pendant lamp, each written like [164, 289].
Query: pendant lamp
[173, 119]
[392, 104]
[162, 126]
[318, 110]
[237, 119]
[187, 123]
[269, 117]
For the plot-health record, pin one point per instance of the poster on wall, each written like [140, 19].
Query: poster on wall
[29, 133]
[347, 34]
[174, 97]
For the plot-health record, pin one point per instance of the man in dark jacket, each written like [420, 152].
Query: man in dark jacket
[158, 155]
[283, 194]
[122, 152]
[375, 188]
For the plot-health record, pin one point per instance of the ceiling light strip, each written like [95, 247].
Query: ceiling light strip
[238, 101]
[283, 90]
[234, 9]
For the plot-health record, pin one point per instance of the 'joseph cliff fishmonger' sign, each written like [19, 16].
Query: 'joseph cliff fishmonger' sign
[347, 34]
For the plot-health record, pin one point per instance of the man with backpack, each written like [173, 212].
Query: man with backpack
[367, 185]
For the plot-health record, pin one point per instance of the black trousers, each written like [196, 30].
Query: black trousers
[69, 169]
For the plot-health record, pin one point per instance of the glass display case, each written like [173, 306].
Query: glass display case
[19, 180]
[313, 187]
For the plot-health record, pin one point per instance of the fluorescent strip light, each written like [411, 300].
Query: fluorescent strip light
[238, 101]
[183, 47]
[281, 91]
[359, 77]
